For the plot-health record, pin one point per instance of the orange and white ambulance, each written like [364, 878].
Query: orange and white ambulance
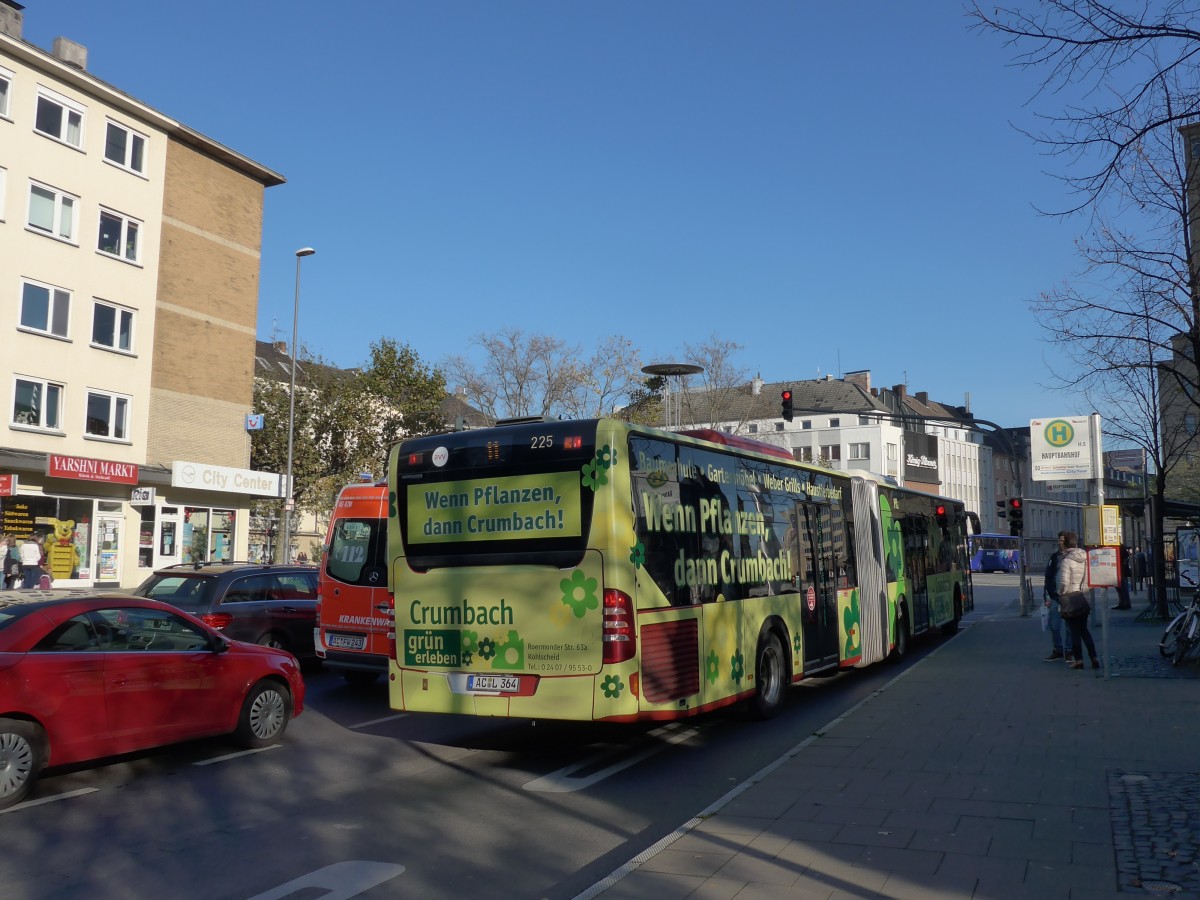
[354, 609]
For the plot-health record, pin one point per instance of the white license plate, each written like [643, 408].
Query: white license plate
[494, 683]
[346, 641]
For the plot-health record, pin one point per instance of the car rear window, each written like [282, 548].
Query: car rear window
[183, 591]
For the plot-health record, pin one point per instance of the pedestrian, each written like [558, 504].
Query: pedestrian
[1073, 603]
[1123, 564]
[31, 562]
[1139, 568]
[10, 563]
[1054, 622]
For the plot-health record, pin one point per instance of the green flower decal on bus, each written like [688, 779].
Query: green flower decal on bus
[579, 593]
[850, 619]
[712, 667]
[796, 645]
[612, 686]
[487, 648]
[594, 476]
[595, 473]
[737, 667]
[470, 641]
[637, 555]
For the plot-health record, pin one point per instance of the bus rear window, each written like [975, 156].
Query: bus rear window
[518, 494]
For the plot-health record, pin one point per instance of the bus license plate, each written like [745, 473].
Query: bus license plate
[494, 683]
[346, 641]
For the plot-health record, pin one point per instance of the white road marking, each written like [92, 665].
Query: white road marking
[237, 755]
[378, 721]
[66, 796]
[340, 880]
[578, 776]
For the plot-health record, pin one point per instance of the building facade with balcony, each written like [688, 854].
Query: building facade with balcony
[129, 268]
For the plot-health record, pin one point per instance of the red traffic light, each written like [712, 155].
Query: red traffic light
[786, 396]
[1015, 503]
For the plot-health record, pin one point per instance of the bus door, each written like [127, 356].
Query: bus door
[816, 581]
[916, 567]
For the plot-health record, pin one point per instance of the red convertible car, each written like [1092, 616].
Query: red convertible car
[103, 674]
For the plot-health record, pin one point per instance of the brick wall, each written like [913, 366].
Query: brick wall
[202, 380]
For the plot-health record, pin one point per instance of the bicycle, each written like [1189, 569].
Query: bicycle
[1183, 634]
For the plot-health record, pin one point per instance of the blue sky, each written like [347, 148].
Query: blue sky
[833, 186]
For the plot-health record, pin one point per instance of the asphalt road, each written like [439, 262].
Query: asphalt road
[373, 804]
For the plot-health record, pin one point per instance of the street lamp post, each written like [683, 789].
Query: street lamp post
[289, 495]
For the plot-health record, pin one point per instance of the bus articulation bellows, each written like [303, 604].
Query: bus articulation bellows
[598, 570]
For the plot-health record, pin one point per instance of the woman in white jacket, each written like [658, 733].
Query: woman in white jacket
[1072, 579]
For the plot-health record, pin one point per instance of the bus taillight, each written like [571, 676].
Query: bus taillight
[620, 642]
[392, 643]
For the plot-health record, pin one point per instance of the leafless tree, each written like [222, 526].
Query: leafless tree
[1128, 326]
[538, 375]
[718, 384]
[1125, 78]
[1124, 72]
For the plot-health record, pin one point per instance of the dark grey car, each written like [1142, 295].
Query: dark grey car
[274, 605]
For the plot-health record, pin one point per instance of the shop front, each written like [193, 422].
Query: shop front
[107, 524]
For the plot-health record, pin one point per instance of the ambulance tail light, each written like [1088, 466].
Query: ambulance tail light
[620, 642]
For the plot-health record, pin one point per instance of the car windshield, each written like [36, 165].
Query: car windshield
[183, 591]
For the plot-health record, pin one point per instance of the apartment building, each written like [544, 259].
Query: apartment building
[846, 423]
[129, 268]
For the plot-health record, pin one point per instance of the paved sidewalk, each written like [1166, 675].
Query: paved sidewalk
[980, 772]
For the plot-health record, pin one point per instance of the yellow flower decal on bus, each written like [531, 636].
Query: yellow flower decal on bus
[579, 593]
[850, 620]
[612, 686]
[595, 473]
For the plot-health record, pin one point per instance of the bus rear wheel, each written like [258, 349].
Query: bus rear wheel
[900, 648]
[770, 677]
[951, 627]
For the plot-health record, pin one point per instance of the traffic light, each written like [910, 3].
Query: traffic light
[1001, 509]
[787, 404]
[1016, 516]
[943, 517]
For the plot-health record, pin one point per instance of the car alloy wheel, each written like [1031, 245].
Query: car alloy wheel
[18, 760]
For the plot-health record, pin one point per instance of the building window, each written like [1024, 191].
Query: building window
[107, 415]
[835, 423]
[37, 404]
[753, 429]
[1189, 423]
[3, 190]
[779, 426]
[6, 80]
[59, 118]
[804, 454]
[865, 420]
[125, 148]
[831, 452]
[45, 309]
[118, 235]
[860, 451]
[112, 327]
[52, 212]
[806, 424]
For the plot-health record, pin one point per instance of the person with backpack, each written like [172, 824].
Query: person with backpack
[1054, 622]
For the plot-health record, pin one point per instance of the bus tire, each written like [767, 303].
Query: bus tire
[770, 676]
[900, 648]
[951, 627]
